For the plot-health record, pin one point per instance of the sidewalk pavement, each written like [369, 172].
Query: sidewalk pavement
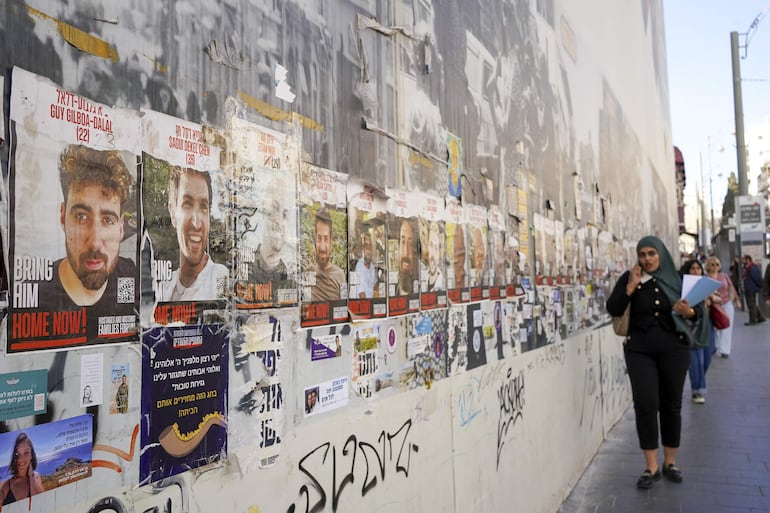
[725, 449]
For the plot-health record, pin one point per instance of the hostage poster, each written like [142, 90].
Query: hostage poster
[366, 230]
[183, 201]
[457, 281]
[403, 262]
[432, 253]
[184, 399]
[263, 189]
[478, 263]
[324, 246]
[73, 219]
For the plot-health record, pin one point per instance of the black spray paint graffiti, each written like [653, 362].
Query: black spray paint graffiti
[512, 400]
[390, 445]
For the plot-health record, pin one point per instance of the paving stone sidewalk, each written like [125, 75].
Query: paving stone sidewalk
[725, 451]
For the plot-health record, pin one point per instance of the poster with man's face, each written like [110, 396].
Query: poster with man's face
[367, 251]
[432, 253]
[478, 262]
[263, 191]
[184, 201]
[403, 258]
[73, 219]
[323, 251]
[457, 254]
[496, 250]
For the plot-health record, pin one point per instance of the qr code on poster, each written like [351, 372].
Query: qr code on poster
[125, 290]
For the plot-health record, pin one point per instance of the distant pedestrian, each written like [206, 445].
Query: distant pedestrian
[657, 352]
[729, 300]
[752, 285]
[735, 276]
[766, 283]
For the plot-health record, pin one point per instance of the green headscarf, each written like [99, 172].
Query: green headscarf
[670, 281]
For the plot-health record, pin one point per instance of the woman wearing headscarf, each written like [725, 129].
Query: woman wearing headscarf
[703, 348]
[657, 352]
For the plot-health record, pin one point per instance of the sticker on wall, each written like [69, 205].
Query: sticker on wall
[392, 339]
[23, 393]
[56, 454]
[119, 388]
[64, 292]
[184, 399]
[325, 346]
[326, 396]
[91, 377]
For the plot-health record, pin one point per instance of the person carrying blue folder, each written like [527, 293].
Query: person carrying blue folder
[701, 352]
[657, 352]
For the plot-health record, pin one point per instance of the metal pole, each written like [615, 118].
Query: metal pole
[743, 182]
[711, 188]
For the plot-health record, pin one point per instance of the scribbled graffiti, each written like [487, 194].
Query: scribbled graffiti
[468, 401]
[510, 395]
[391, 452]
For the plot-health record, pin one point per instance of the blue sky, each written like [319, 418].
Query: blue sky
[700, 81]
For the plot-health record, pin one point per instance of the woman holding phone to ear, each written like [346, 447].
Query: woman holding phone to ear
[657, 352]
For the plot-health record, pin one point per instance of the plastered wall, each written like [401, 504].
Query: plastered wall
[525, 143]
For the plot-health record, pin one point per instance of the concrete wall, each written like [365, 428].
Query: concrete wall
[562, 112]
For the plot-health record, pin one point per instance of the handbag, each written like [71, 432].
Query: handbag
[718, 317]
[620, 324]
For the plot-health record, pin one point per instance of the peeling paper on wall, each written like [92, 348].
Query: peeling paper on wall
[83, 41]
[282, 88]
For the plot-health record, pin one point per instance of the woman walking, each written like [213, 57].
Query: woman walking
[657, 352]
[729, 297]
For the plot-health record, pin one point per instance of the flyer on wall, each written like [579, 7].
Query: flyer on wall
[432, 253]
[184, 399]
[323, 251]
[256, 405]
[262, 179]
[367, 249]
[403, 242]
[72, 219]
[184, 203]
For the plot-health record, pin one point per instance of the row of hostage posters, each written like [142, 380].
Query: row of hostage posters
[73, 222]
[213, 222]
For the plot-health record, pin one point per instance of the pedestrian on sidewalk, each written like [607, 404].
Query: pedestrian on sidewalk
[701, 352]
[752, 285]
[729, 297]
[766, 283]
[657, 352]
[735, 277]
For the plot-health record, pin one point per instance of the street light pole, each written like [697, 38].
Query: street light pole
[743, 183]
[711, 187]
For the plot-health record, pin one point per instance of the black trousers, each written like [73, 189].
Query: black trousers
[755, 315]
[657, 362]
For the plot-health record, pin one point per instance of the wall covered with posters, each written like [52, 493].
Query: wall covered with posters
[309, 256]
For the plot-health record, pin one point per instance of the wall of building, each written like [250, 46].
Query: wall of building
[539, 126]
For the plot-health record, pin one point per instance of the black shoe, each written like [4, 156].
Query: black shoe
[749, 323]
[761, 320]
[647, 479]
[672, 473]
